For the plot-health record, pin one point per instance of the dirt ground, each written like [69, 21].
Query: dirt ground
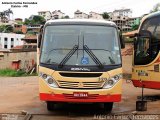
[21, 93]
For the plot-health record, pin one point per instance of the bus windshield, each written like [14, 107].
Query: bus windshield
[60, 40]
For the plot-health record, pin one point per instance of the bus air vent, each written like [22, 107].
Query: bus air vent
[80, 74]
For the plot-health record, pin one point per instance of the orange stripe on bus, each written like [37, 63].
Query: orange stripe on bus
[146, 84]
[62, 98]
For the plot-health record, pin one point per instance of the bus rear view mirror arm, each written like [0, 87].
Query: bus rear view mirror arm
[39, 39]
[122, 41]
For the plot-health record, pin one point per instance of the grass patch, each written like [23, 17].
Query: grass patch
[14, 73]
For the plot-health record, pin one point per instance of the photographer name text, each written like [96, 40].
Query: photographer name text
[19, 4]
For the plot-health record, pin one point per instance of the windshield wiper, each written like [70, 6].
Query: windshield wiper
[66, 58]
[94, 58]
[111, 60]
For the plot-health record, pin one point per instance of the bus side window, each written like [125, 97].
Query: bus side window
[157, 32]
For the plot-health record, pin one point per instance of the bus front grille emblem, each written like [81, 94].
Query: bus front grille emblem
[80, 85]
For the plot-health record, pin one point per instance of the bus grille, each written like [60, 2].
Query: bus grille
[87, 85]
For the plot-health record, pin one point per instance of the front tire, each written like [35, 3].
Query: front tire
[108, 106]
[50, 106]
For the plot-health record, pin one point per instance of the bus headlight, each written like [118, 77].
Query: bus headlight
[49, 80]
[112, 81]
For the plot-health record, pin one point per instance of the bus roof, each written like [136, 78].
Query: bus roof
[151, 15]
[81, 21]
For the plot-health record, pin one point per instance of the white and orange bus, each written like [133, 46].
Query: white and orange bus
[80, 61]
[146, 57]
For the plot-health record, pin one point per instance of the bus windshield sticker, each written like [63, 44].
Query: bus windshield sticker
[85, 60]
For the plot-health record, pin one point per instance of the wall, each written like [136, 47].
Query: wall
[26, 60]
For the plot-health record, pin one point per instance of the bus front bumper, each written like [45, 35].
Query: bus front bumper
[70, 98]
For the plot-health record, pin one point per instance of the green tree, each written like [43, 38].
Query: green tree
[6, 28]
[155, 8]
[2, 27]
[27, 21]
[66, 17]
[5, 14]
[19, 32]
[135, 27]
[34, 19]
[105, 15]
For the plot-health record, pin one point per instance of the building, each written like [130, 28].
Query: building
[46, 14]
[18, 20]
[122, 12]
[10, 40]
[121, 22]
[122, 18]
[30, 43]
[57, 14]
[20, 28]
[33, 29]
[80, 15]
[134, 21]
[4, 20]
[94, 15]
[10, 22]
[30, 39]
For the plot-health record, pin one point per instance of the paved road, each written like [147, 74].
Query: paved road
[21, 93]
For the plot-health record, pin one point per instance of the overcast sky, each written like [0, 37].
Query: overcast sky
[138, 7]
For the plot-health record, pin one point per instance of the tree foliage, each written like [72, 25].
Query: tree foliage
[105, 15]
[135, 27]
[5, 14]
[155, 8]
[19, 32]
[6, 28]
[34, 20]
[66, 17]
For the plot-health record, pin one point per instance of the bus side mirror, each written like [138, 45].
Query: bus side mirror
[135, 42]
[122, 42]
[39, 40]
[135, 36]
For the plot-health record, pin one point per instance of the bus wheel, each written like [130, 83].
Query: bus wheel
[108, 106]
[50, 105]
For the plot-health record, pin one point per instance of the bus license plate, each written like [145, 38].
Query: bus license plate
[80, 94]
